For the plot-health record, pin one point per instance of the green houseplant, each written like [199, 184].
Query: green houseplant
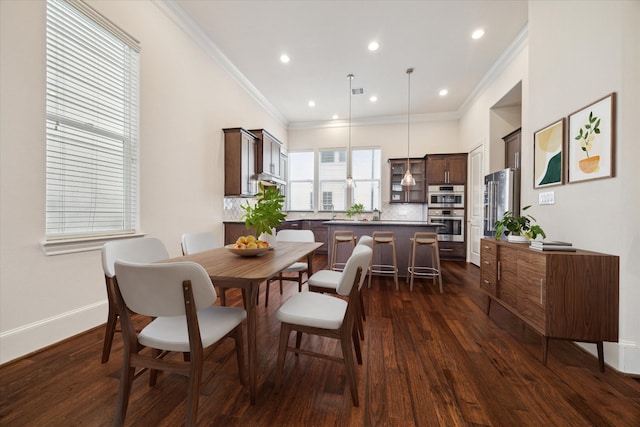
[523, 225]
[355, 209]
[266, 213]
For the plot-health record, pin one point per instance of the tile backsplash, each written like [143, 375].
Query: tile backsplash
[389, 212]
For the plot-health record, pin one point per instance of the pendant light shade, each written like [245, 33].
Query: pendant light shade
[349, 183]
[408, 179]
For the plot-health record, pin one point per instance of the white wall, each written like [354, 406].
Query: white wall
[186, 101]
[577, 53]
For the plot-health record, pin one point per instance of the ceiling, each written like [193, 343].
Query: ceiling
[327, 40]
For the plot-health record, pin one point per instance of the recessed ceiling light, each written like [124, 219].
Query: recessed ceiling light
[284, 58]
[373, 46]
[373, 98]
[477, 34]
[334, 117]
[443, 92]
[312, 103]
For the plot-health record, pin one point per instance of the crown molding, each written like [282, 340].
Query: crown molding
[509, 54]
[186, 24]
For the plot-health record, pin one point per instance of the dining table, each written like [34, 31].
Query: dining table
[229, 270]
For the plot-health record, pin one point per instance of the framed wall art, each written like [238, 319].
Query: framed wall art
[548, 155]
[591, 145]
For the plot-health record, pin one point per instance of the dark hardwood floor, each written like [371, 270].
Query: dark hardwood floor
[429, 359]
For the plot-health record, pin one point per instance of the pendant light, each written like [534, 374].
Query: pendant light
[408, 179]
[349, 183]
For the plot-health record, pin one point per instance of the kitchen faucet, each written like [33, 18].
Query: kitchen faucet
[333, 213]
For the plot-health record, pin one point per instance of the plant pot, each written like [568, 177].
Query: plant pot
[590, 165]
[517, 239]
[269, 238]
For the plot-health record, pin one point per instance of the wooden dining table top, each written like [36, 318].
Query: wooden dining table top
[225, 266]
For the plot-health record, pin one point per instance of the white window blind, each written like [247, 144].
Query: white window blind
[92, 124]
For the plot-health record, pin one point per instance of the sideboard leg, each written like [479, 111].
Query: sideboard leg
[600, 356]
[488, 304]
[545, 348]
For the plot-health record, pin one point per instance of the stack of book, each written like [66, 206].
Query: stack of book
[551, 245]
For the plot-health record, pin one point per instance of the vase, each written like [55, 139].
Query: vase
[590, 164]
[269, 238]
[517, 239]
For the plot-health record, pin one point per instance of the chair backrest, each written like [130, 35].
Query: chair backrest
[141, 250]
[156, 290]
[295, 236]
[366, 240]
[360, 257]
[198, 242]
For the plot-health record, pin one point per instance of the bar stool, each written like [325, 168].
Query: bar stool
[384, 238]
[340, 237]
[431, 240]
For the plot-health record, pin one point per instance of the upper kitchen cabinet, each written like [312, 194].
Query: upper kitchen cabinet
[512, 144]
[268, 156]
[239, 162]
[446, 169]
[410, 194]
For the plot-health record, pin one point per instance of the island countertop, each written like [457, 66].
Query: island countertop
[384, 223]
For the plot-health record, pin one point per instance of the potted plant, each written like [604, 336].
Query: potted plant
[355, 209]
[518, 228]
[266, 213]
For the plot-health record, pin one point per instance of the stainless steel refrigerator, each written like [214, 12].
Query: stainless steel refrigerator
[501, 194]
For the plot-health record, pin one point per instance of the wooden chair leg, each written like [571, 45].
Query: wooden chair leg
[153, 374]
[347, 354]
[285, 330]
[239, 341]
[356, 344]
[124, 391]
[195, 376]
[109, 332]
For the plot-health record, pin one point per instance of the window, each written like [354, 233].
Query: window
[301, 172]
[92, 124]
[332, 172]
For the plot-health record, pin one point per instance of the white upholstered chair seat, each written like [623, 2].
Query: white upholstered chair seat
[328, 279]
[313, 309]
[296, 267]
[170, 333]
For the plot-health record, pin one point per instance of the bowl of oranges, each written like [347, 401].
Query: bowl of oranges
[248, 246]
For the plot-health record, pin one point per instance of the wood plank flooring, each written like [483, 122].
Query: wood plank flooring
[429, 360]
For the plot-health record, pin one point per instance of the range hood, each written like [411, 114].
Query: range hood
[268, 179]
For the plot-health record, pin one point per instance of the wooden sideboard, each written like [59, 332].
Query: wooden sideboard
[563, 295]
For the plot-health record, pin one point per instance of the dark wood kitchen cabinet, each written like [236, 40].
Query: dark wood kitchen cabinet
[239, 162]
[446, 169]
[268, 154]
[411, 194]
[563, 295]
[512, 147]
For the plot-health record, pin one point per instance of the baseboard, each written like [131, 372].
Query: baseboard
[623, 356]
[26, 339]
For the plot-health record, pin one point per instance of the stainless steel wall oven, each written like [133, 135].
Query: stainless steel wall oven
[453, 220]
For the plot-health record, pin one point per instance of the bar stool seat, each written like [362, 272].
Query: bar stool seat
[427, 239]
[340, 237]
[384, 238]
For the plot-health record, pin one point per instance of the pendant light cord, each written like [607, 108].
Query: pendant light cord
[409, 71]
[350, 77]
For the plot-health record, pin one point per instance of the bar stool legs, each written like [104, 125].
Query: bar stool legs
[431, 240]
[338, 238]
[384, 238]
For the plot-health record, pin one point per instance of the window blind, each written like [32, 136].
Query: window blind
[92, 124]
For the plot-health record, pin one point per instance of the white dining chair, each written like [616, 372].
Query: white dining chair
[299, 267]
[180, 297]
[193, 243]
[145, 249]
[201, 241]
[326, 281]
[328, 316]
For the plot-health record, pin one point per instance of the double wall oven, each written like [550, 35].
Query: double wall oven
[446, 206]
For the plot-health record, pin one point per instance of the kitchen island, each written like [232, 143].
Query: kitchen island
[404, 230]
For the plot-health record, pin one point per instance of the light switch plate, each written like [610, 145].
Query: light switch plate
[546, 198]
